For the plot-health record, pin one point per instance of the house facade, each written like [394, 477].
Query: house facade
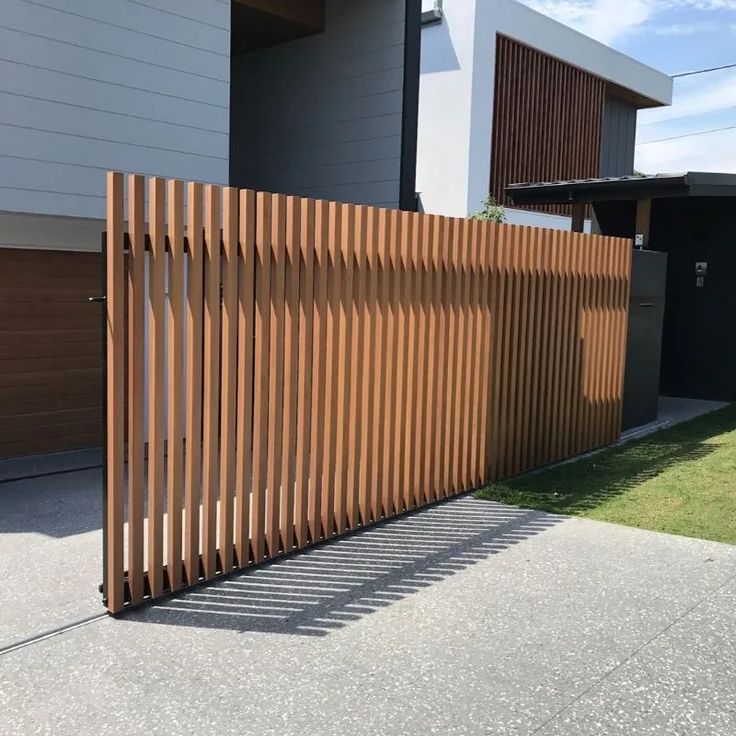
[311, 97]
[508, 95]
[318, 98]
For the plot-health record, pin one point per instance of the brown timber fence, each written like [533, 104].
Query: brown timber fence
[281, 370]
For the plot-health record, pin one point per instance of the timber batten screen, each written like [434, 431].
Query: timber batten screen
[547, 121]
[300, 368]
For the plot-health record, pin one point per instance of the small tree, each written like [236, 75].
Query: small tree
[490, 212]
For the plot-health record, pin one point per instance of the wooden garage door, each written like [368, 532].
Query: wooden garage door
[50, 351]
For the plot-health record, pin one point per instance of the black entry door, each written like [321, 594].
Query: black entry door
[699, 342]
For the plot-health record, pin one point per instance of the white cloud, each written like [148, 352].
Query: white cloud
[610, 20]
[701, 95]
[694, 99]
[701, 4]
[604, 20]
[683, 29]
[714, 152]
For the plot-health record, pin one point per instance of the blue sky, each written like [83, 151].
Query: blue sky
[673, 36]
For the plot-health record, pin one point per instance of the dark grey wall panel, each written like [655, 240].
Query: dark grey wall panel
[618, 137]
[644, 340]
[322, 116]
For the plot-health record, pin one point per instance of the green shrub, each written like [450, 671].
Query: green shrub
[490, 212]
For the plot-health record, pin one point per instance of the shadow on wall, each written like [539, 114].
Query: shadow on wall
[438, 51]
[318, 591]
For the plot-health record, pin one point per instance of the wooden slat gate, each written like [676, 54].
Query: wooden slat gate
[282, 370]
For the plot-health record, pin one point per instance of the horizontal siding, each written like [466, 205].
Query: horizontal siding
[45, 54]
[141, 19]
[328, 117]
[88, 86]
[83, 93]
[87, 123]
[82, 152]
[216, 14]
[55, 21]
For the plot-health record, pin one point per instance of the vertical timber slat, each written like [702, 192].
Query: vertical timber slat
[355, 420]
[389, 295]
[305, 264]
[115, 392]
[402, 501]
[344, 359]
[156, 333]
[136, 384]
[211, 371]
[175, 385]
[228, 375]
[291, 364]
[276, 370]
[193, 419]
[378, 275]
[246, 326]
[366, 308]
[334, 287]
[261, 353]
[317, 481]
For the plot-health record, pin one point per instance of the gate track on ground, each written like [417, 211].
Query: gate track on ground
[52, 633]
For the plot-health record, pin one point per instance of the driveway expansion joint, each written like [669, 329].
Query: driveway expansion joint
[633, 654]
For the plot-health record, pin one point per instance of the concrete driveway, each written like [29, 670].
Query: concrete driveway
[467, 618]
[50, 544]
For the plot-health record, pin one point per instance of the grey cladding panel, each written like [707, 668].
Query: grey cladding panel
[618, 137]
[92, 85]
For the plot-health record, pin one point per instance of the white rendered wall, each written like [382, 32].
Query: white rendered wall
[445, 110]
[541, 219]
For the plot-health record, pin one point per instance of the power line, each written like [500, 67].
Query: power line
[704, 71]
[682, 117]
[687, 135]
[730, 108]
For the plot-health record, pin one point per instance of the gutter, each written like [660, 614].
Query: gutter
[434, 16]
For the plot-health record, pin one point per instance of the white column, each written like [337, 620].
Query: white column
[446, 104]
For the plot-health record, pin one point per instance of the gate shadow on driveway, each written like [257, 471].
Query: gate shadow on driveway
[325, 588]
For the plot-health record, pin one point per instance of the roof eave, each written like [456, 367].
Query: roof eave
[597, 190]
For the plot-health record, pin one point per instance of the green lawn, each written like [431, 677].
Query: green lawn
[680, 480]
